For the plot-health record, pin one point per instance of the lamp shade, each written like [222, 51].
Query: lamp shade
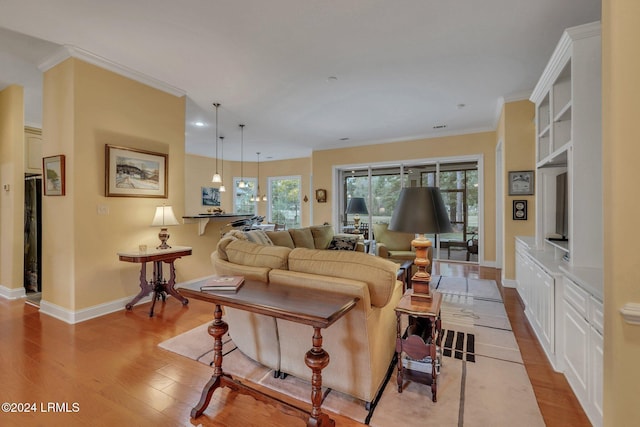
[164, 216]
[420, 210]
[357, 205]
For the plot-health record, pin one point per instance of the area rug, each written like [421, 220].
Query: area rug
[482, 379]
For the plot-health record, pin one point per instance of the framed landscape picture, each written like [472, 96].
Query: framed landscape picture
[131, 172]
[521, 183]
[53, 169]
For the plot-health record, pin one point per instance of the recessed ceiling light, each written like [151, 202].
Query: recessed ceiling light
[199, 124]
[440, 126]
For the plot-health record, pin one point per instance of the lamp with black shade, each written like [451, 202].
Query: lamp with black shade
[420, 210]
[357, 206]
[164, 217]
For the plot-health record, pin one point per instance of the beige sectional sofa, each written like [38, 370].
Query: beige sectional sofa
[361, 344]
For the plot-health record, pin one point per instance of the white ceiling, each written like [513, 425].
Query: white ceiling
[401, 67]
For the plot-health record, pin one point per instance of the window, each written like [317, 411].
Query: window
[284, 202]
[242, 203]
[381, 185]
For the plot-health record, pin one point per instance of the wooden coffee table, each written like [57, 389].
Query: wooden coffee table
[282, 302]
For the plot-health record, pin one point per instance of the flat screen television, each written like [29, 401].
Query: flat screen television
[562, 207]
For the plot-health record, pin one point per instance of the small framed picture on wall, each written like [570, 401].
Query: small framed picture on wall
[520, 210]
[521, 183]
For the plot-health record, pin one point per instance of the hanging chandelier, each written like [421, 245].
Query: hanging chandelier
[242, 183]
[216, 176]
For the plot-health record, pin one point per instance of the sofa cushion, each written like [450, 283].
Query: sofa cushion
[302, 238]
[379, 274]
[344, 243]
[322, 235]
[252, 254]
[259, 237]
[281, 238]
[393, 240]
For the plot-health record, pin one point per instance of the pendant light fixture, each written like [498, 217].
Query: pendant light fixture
[216, 176]
[255, 196]
[222, 187]
[242, 183]
[264, 196]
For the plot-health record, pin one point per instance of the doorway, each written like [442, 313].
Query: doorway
[33, 236]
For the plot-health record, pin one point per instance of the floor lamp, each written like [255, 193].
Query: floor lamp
[420, 210]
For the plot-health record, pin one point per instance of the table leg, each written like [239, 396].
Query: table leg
[399, 352]
[145, 287]
[172, 282]
[317, 359]
[217, 329]
[434, 373]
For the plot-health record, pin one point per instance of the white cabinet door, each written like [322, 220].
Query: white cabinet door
[596, 360]
[547, 308]
[521, 275]
[576, 333]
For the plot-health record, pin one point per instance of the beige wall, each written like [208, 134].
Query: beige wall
[86, 107]
[12, 196]
[517, 131]
[199, 171]
[621, 151]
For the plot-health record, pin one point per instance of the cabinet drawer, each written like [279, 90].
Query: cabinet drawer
[596, 315]
[577, 297]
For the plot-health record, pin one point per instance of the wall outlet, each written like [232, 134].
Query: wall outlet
[103, 210]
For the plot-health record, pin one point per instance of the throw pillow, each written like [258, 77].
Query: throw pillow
[302, 238]
[259, 237]
[322, 235]
[281, 238]
[343, 243]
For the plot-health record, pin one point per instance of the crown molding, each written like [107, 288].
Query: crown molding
[68, 51]
[561, 55]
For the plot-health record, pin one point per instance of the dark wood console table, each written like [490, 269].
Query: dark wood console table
[158, 285]
[282, 302]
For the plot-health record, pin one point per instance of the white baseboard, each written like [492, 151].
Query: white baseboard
[12, 293]
[509, 283]
[72, 317]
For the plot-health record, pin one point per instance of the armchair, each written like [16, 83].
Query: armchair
[396, 246]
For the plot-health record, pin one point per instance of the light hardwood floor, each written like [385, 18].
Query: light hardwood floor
[113, 370]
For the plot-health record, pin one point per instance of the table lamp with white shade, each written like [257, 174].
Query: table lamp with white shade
[164, 217]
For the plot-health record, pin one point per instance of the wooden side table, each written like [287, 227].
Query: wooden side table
[158, 284]
[421, 341]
